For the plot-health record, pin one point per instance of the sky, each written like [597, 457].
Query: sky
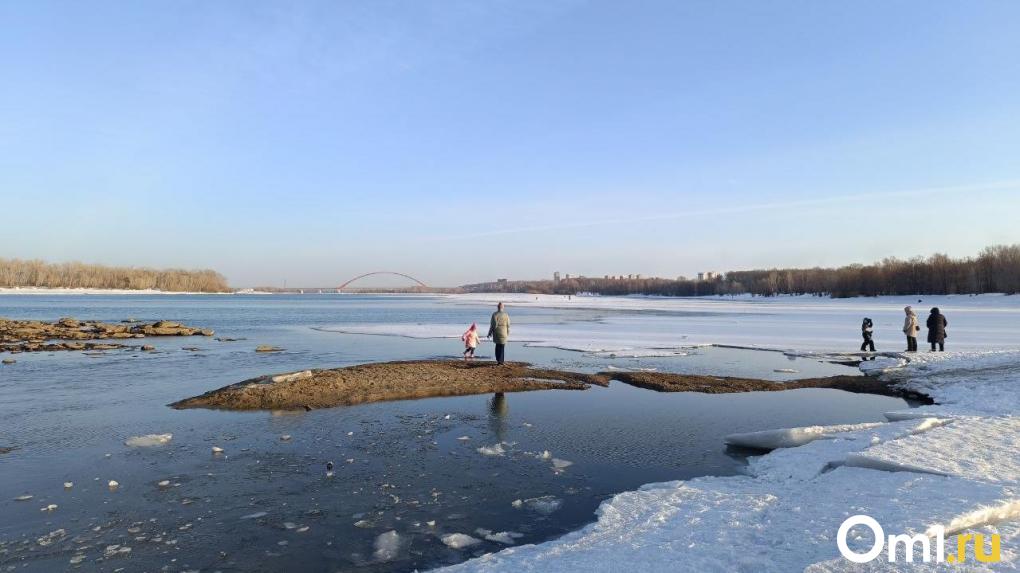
[463, 141]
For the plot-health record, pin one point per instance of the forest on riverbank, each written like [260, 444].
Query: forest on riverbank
[36, 273]
[995, 269]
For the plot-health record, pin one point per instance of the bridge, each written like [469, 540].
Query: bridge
[376, 273]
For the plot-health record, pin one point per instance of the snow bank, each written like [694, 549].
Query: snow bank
[957, 467]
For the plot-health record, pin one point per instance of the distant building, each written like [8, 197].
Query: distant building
[606, 277]
[501, 282]
[638, 276]
[556, 276]
[568, 276]
[708, 276]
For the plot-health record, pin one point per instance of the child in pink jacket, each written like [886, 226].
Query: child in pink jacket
[470, 338]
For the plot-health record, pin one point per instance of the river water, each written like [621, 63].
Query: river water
[423, 470]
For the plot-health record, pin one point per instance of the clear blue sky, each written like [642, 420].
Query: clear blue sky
[461, 141]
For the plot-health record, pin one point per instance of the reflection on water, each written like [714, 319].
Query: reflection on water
[413, 468]
[498, 409]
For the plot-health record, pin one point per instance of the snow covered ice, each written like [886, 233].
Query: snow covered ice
[666, 326]
[955, 464]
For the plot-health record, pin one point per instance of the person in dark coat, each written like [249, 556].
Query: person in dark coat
[867, 331]
[937, 330]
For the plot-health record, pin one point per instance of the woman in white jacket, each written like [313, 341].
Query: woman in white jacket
[911, 328]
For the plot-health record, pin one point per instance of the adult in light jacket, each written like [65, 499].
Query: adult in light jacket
[911, 328]
[499, 331]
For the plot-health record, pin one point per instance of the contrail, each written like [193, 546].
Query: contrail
[924, 192]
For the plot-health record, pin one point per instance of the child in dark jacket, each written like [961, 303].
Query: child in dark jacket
[867, 331]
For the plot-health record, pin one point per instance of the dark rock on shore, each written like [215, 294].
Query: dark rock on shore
[267, 348]
[34, 336]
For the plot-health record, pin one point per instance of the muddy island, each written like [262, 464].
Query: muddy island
[387, 381]
[68, 334]
[669, 382]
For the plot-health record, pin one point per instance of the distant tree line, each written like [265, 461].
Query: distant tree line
[995, 269]
[35, 273]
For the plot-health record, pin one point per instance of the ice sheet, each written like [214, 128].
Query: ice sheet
[651, 326]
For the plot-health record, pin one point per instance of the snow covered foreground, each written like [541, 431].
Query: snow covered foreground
[956, 464]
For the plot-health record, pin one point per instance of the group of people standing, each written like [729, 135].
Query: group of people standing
[499, 332]
[936, 324]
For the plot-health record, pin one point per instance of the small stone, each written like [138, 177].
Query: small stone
[68, 484]
[23, 497]
[49, 507]
[285, 438]
[217, 450]
[113, 485]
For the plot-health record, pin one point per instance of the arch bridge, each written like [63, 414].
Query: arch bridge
[376, 273]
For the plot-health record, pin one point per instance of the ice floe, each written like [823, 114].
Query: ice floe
[459, 540]
[502, 537]
[388, 546]
[148, 440]
[493, 450]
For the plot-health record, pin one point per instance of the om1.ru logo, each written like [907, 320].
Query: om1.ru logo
[909, 543]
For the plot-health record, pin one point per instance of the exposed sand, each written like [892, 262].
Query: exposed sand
[385, 381]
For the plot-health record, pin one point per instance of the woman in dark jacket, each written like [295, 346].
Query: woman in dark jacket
[937, 329]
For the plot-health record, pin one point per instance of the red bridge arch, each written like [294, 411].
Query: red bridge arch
[359, 277]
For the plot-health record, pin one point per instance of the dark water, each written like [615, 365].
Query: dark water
[267, 504]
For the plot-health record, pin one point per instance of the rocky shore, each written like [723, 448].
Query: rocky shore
[386, 381]
[68, 334]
